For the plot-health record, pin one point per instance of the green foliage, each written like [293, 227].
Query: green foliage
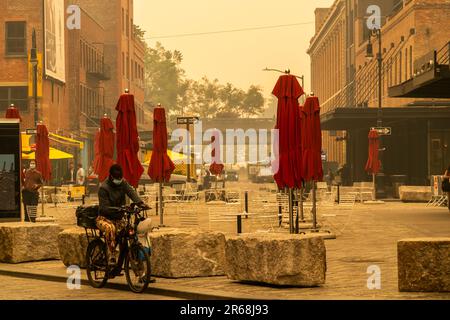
[166, 83]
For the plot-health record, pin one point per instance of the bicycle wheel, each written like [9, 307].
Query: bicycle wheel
[137, 268]
[97, 263]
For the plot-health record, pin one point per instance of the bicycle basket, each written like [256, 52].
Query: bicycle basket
[86, 217]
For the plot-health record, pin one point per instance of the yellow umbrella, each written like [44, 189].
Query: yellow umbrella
[55, 154]
[174, 156]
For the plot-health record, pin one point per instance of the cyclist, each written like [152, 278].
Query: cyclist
[112, 195]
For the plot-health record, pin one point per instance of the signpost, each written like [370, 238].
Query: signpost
[31, 132]
[188, 121]
[383, 131]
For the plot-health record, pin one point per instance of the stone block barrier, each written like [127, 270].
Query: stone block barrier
[415, 193]
[28, 242]
[277, 259]
[424, 265]
[72, 247]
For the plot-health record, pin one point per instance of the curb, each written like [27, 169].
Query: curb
[169, 291]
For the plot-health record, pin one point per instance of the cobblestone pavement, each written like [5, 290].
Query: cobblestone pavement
[366, 236]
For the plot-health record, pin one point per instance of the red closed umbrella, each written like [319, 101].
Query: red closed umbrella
[43, 164]
[373, 164]
[312, 140]
[128, 140]
[161, 166]
[105, 149]
[288, 157]
[96, 151]
[12, 113]
[216, 166]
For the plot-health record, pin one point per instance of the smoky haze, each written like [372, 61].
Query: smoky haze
[237, 57]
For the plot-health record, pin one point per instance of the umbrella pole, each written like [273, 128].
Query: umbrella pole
[161, 211]
[302, 216]
[297, 215]
[374, 192]
[42, 200]
[291, 212]
[314, 208]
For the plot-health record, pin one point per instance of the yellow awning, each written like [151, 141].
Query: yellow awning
[28, 154]
[66, 140]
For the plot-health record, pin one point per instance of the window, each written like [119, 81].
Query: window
[123, 20]
[16, 43]
[128, 25]
[128, 67]
[123, 64]
[14, 95]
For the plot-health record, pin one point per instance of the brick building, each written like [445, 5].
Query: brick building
[349, 94]
[82, 71]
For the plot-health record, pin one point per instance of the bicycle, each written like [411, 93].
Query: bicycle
[134, 258]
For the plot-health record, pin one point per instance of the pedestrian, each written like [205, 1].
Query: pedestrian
[329, 178]
[81, 175]
[446, 185]
[30, 193]
[71, 174]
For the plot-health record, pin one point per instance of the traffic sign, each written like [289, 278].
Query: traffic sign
[383, 131]
[187, 120]
[31, 132]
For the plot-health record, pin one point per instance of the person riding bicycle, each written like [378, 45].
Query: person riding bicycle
[112, 195]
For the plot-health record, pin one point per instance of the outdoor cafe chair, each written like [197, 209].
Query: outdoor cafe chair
[188, 217]
[218, 218]
[32, 212]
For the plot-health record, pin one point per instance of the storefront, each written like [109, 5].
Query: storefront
[417, 148]
[10, 164]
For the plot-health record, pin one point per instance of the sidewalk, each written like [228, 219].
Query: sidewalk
[370, 238]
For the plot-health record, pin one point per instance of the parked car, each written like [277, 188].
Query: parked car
[265, 175]
[231, 175]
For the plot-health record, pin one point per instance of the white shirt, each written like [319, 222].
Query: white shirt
[81, 176]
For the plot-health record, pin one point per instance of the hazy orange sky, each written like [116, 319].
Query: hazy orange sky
[237, 57]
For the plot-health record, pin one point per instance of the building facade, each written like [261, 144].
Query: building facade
[410, 29]
[81, 72]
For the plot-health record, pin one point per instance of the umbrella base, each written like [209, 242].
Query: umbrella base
[325, 234]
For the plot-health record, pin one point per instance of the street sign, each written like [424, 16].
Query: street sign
[187, 120]
[31, 132]
[383, 131]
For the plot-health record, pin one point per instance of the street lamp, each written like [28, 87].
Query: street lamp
[369, 55]
[34, 63]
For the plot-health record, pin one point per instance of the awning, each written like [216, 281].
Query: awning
[66, 141]
[354, 118]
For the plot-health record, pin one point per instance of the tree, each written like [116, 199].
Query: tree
[163, 77]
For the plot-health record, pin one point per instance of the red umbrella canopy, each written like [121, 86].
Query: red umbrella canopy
[104, 158]
[288, 157]
[161, 166]
[216, 166]
[12, 113]
[96, 151]
[312, 140]
[128, 140]
[43, 164]
[373, 164]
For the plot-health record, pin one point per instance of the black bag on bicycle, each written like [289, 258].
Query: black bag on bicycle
[446, 185]
[86, 216]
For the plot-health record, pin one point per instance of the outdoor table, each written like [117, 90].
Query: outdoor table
[239, 219]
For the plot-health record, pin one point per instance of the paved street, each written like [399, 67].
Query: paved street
[14, 288]
[366, 235]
